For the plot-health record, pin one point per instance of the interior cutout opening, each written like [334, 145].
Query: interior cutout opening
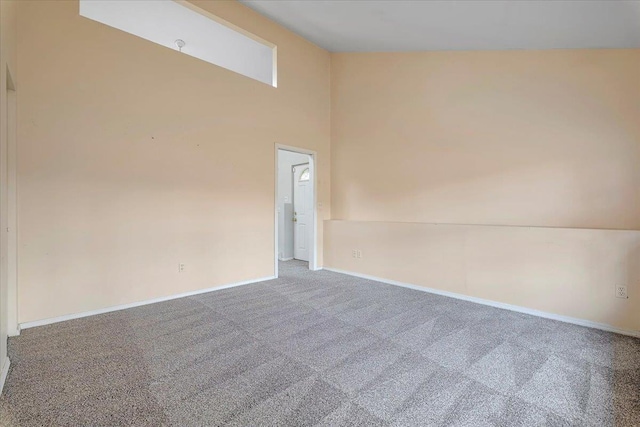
[190, 30]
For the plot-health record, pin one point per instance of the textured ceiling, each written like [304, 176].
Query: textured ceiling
[383, 25]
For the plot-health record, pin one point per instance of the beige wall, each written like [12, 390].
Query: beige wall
[134, 158]
[7, 145]
[510, 138]
[569, 272]
[546, 138]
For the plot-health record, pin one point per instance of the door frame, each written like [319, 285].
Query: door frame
[313, 248]
[293, 202]
[8, 183]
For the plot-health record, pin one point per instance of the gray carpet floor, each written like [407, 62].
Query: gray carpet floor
[323, 349]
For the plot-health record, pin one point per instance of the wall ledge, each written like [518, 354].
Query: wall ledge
[453, 224]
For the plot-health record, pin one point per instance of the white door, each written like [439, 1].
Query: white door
[302, 213]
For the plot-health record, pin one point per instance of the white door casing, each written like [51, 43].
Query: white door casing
[302, 211]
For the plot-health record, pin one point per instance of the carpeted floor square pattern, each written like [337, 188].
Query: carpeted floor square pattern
[320, 349]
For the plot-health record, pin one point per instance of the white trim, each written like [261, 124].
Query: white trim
[286, 259]
[12, 221]
[293, 201]
[313, 159]
[51, 320]
[516, 308]
[276, 219]
[5, 372]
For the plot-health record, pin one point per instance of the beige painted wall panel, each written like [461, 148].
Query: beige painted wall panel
[544, 138]
[7, 63]
[570, 272]
[442, 263]
[134, 158]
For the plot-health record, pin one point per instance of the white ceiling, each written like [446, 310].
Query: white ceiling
[401, 25]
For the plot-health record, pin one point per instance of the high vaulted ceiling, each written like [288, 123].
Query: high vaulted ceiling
[401, 25]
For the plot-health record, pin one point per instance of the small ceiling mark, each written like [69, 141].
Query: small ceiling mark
[180, 43]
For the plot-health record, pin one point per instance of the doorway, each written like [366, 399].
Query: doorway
[295, 202]
[302, 207]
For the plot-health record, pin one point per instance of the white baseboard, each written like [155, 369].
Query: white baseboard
[51, 320]
[285, 259]
[4, 373]
[517, 308]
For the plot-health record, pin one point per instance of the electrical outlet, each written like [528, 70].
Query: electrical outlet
[180, 268]
[359, 255]
[621, 291]
[354, 253]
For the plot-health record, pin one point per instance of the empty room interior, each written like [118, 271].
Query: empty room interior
[319, 213]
